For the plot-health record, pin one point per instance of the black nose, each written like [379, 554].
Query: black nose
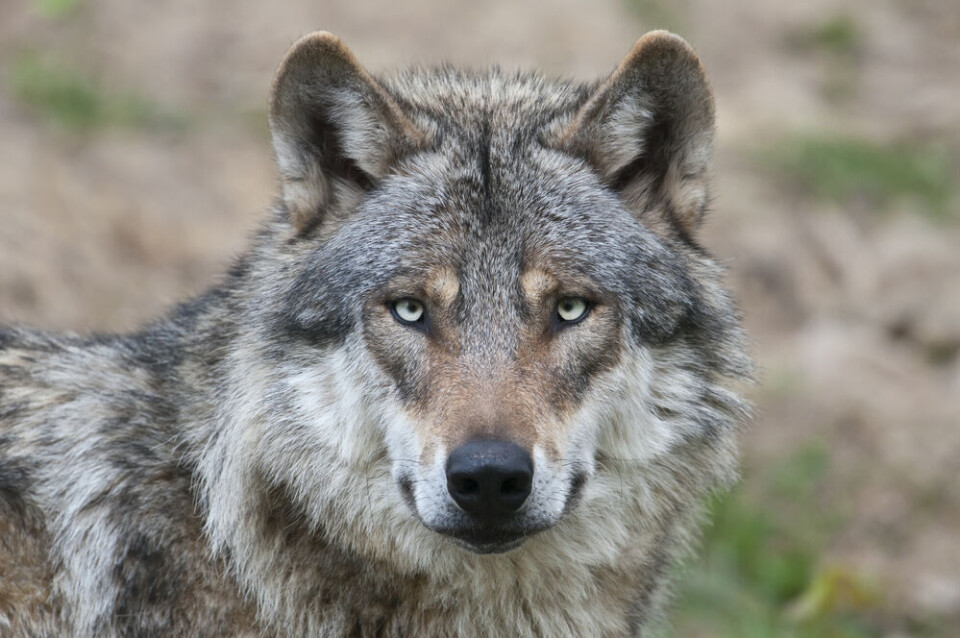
[489, 479]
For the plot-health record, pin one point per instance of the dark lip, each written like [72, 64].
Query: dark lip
[490, 540]
[490, 548]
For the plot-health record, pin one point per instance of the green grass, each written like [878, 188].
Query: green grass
[838, 38]
[657, 14]
[76, 101]
[761, 575]
[838, 35]
[849, 170]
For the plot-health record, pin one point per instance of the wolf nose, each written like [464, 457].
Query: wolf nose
[489, 479]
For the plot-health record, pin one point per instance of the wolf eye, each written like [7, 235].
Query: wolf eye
[572, 309]
[407, 311]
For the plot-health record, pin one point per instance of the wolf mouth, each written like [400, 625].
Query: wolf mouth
[494, 537]
[490, 548]
[480, 540]
[490, 540]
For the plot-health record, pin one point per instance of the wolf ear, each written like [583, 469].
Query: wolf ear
[335, 131]
[648, 129]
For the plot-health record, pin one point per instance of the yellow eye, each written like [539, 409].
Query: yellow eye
[408, 310]
[572, 308]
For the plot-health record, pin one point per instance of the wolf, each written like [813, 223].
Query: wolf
[473, 377]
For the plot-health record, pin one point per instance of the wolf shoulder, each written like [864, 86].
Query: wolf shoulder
[94, 500]
[27, 603]
[56, 391]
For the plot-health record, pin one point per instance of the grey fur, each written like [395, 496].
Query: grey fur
[258, 462]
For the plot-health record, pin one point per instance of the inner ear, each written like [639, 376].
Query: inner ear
[336, 131]
[323, 141]
[648, 130]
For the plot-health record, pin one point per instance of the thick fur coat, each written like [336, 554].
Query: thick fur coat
[271, 459]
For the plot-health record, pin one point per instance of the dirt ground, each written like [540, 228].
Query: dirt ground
[132, 187]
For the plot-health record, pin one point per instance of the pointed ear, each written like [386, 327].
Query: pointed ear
[648, 129]
[335, 131]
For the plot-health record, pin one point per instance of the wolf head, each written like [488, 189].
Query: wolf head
[488, 289]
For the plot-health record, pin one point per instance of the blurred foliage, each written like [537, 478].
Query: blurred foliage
[838, 43]
[838, 35]
[847, 170]
[832, 591]
[658, 14]
[54, 8]
[77, 102]
[761, 574]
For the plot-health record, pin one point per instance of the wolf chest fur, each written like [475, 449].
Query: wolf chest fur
[472, 377]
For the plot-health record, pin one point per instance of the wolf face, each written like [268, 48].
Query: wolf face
[509, 265]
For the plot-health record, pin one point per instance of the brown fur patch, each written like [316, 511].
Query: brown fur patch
[25, 573]
[443, 286]
[537, 284]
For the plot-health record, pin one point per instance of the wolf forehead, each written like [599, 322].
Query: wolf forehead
[485, 204]
[487, 176]
[469, 113]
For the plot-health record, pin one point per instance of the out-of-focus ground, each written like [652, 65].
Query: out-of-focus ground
[135, 160]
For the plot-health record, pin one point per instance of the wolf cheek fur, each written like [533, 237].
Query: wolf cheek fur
[379, 422]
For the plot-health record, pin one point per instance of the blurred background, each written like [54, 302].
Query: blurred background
[135, 161]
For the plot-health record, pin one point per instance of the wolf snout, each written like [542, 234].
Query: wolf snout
[489, 479]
